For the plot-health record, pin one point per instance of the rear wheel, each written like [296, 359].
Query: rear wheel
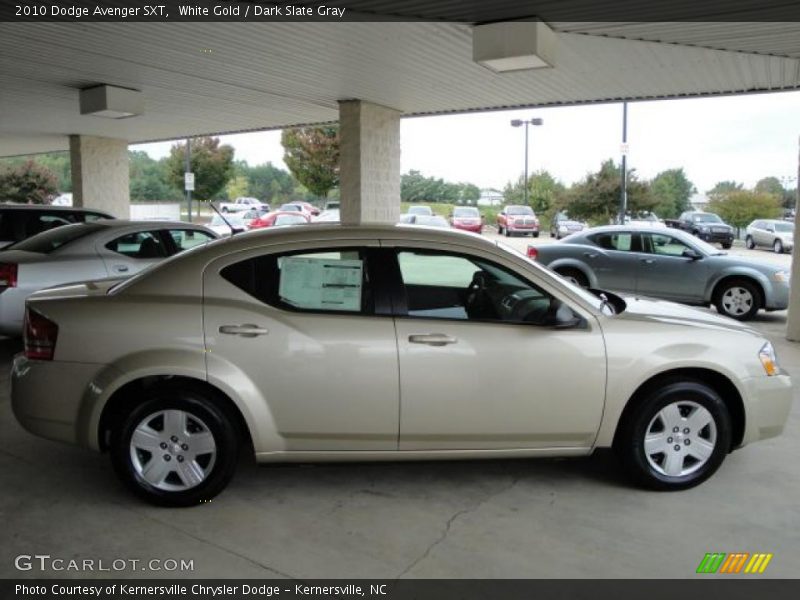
[676, 438]
[738, 299]
[535, 234]
[499, 230]
[508, 233]
[727, 245]
[574, 276]
[778, 247]
[176, 448]
[749, 243]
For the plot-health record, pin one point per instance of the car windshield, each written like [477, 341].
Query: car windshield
[465, 213]
[431, 221]
[420, 210]
[784, 227]
[519, 210]
[48, 241]
[234, 220]
[704, 247]
[289, 219]
[706, 218]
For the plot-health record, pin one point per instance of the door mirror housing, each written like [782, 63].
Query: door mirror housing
[691, 254]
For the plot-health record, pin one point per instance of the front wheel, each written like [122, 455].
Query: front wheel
[778, 247]
[676, 438]
[536, 234]
[749, 243]
[175, 448]
[507, 232]
[738, 299]
[727, 245]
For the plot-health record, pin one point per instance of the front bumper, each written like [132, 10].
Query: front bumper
[768, 401]
[519, 227]
[716, 237]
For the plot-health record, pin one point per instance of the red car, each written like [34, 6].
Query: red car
[278, 217]
[517, 219]
[467, 218]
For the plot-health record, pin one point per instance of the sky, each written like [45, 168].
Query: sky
[740, 138]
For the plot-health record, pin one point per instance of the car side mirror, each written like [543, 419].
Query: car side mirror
[692, 254]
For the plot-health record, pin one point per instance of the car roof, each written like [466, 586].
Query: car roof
[51, 208]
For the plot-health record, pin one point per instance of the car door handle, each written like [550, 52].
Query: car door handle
[590, 254]
[120, 268]
[432, 339]
[246, 330]
[648, 261]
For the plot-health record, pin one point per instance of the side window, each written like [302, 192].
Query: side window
[45, 222]
[321, 281]
[189, 238]
[91, 217]
[452, 286]
[666, 245]
[142, 244]
[614, 241]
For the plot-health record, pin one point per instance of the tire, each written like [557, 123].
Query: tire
[749, 243]
[727, 245]
[181, 476]
[225, 209]
[647, 439]
[574, 275]
[507, 232]
[739, 299]
[499, 230]
[778, 247]
[536, 234]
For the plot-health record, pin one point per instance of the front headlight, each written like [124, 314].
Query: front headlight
[769, 360]
[781, 276]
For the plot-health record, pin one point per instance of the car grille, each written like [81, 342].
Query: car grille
[524, 222]
[719, 229]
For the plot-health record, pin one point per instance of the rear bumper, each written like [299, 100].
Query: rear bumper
[47, 398]
[768, 401]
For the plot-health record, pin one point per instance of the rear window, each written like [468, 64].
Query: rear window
[465, 213]
[48, 241]
[519, 210]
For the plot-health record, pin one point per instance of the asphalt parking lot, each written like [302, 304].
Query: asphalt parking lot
[479, 519]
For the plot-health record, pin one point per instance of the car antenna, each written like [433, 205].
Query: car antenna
[234, 231]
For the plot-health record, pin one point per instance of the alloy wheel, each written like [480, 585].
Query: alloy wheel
[737, 300]
[680, 439]
[173, 450]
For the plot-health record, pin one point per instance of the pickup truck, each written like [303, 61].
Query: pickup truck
[241, 204]
[707, 226]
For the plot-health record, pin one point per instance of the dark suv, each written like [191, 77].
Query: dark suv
[21, 221]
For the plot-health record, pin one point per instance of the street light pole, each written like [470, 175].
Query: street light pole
[623, 199]
[518, 123]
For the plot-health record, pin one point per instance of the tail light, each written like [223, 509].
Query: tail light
[8, 275]
[39, 336]
[532, 252]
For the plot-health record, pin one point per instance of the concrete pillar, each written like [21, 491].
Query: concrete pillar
[369, 163]
[100, 174]
[793, 326]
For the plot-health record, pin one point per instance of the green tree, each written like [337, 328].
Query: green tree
[268, 182]
[238, 186]
[28, 183]
[212, 165]
[671, 192]
[545, 193]
[596, 198]
[57, 163]
[722, 189]
[312, 155]
[740, 207]
[149, 179]
[469, 194]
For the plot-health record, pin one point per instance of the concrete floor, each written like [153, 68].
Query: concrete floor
[493, 519]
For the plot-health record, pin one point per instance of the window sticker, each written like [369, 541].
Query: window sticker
[321, 283]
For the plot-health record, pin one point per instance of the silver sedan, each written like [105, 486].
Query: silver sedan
[102, 249]
[667, 264]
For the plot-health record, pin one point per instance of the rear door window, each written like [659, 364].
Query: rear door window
[141, 244]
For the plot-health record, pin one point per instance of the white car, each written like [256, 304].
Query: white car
[105, 248]
[772, 233]
[329, 342]
[227, 224]
[242, 204]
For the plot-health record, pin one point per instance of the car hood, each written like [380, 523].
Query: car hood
[661, 311]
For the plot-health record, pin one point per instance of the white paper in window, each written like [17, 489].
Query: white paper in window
[321, 283]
